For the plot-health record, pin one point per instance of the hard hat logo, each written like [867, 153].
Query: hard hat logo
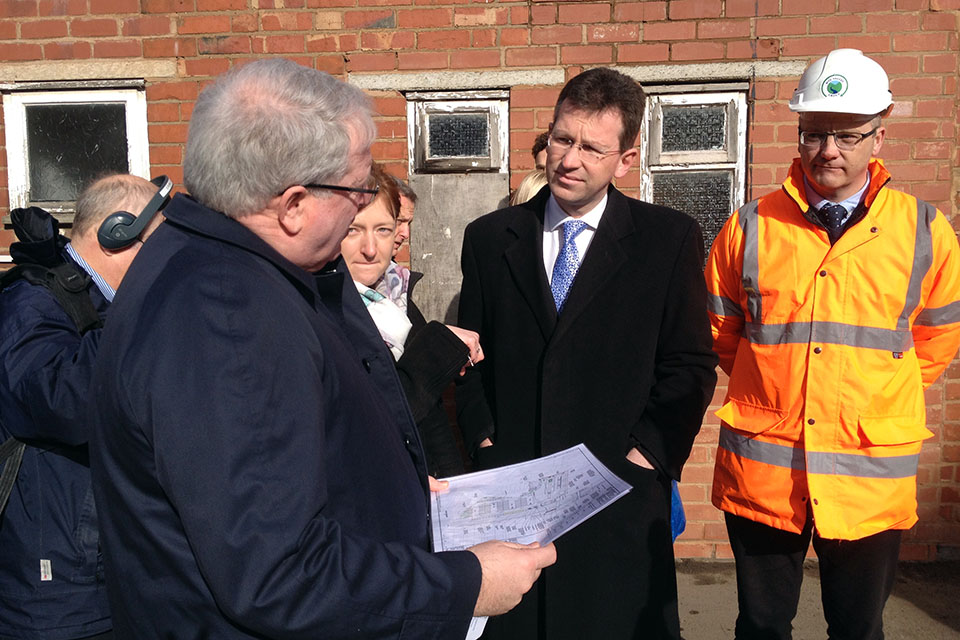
[835, 85]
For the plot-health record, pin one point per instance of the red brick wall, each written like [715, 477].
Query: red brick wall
[915, 40]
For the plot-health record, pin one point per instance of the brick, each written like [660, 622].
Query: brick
[892, 22]
[204, 24]
[221, 5]
[643, 52]
[46, 29]
[334, 64]
[711, 29]
[751, 8]
[445, 39]
[781, 26]
[931, 41]
[486, 58]
[93, 28]
[209, 67]
[370, 20]
[118, 49]
[940, 63]
[424, 18]
[669, 31]
[8, 30]
[519, 15]
[387, 40]
[483, 38]
[169, 48]
[328, 20]
[168, 6]
[867, 44]
[693, 9]
[163, 112]
[326, 4]
[525, 97]
[286, 21]
[514, 37]
[114, 6]
[808, 47]
[348, 42]
[284, 44]
[915, 86]
[613, 33]
[243, 23]
[583, 13]
[185, 91]
[372, 3]
[146, 26]
[752, 49]
[639, 11]
[321, 43]
[858, 6]
[540, 14]
[531, 57]
[939, 22]
[216, 45]
[67, 50]
[837, 24]
[423, 60]
[556, 35]
[47, 8]
[165, 154]
[372, 61]
[591, 54]
[935, 109]
[476, 17]
[808, 7]
[18, 9]
[161, 133]
[681, 51]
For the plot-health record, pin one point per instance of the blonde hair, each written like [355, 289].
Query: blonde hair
[529, 187]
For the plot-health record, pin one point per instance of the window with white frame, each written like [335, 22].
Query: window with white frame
[694, 152]
[58, 139]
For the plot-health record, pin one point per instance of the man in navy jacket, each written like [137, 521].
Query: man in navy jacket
[254, 481]
[51, 573]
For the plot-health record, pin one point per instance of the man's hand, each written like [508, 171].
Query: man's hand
[509, 570]
[639, 459]
[437, 486]
[486, 442]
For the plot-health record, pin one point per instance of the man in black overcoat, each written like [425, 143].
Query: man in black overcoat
[620, 360]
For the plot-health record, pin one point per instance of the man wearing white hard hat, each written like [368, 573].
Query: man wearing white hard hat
[834, 302]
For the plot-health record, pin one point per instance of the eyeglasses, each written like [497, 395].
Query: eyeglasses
[365, 197]
[845, 140]
[561, 145]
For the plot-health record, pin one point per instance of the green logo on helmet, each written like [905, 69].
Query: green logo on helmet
[835, 85]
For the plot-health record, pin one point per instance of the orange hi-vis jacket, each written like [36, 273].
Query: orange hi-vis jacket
[829, 349]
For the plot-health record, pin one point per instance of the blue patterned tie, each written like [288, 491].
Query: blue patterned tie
[565, 268]
[832, 216]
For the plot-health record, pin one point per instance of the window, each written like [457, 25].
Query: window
[457, 131]
[58, 140]
[694, 152]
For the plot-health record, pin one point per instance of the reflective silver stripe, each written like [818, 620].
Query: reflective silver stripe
[835, 464]
[829, 333]
[722, 306]
[847, 464]
[922, 259]
[939, 316]
[750, 278]
[766, 452]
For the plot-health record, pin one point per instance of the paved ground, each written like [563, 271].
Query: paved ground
[925, 604]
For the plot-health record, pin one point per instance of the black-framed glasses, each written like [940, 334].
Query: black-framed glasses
[845, 140]
[561, 145]
[367, 193]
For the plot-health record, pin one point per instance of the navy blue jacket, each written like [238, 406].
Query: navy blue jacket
[251, 478]
[45, 372]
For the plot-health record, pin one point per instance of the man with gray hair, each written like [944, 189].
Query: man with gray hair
[51, 311]
[253, 483]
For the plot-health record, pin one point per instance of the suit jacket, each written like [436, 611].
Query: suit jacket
[627, 363]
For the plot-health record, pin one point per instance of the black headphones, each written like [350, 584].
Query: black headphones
[121, 229]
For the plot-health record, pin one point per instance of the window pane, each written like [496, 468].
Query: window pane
[459, 135]
[705, 195]
[69, 144]
[694, 128]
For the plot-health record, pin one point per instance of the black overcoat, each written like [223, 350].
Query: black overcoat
[627, 363]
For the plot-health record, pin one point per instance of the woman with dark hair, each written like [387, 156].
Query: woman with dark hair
[429, 355]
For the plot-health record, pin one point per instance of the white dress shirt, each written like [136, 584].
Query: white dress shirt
[553, 219]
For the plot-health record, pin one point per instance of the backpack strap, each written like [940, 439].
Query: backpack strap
[68, 284]
[11, 455]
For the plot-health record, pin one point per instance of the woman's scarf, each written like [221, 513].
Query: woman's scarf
[391, 320]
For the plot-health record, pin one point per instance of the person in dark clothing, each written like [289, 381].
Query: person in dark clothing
[429, 355]
[254, 479]
[51, 571]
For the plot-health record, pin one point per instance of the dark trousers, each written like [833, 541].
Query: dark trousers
[856, 577]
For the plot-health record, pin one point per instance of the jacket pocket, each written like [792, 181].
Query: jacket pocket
[87, 541]
[892, 430]
[751, 418]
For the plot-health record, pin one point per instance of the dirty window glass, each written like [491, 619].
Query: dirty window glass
[693, 128]
[459, 135]
[705, 195]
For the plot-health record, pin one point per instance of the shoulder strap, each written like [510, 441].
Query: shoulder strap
[11, 455]
[67, 283]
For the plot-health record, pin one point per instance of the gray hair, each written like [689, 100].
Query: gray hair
[108, 194]
[268, 125]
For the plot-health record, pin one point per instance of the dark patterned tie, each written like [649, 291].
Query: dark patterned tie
[832, 216]
[565, 268]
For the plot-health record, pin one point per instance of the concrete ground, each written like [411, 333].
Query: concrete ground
[925, 604]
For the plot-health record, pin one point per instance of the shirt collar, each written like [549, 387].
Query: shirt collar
[105, 289]
[554, 216]
[816, 201]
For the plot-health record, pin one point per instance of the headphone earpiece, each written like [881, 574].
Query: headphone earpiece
[121, 229]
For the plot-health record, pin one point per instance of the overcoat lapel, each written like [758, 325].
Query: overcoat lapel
[604, 258]
[525, 260]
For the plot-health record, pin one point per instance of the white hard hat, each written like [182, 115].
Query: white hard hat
[844, 81]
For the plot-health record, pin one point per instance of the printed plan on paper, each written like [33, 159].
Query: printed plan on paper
[535, 501]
